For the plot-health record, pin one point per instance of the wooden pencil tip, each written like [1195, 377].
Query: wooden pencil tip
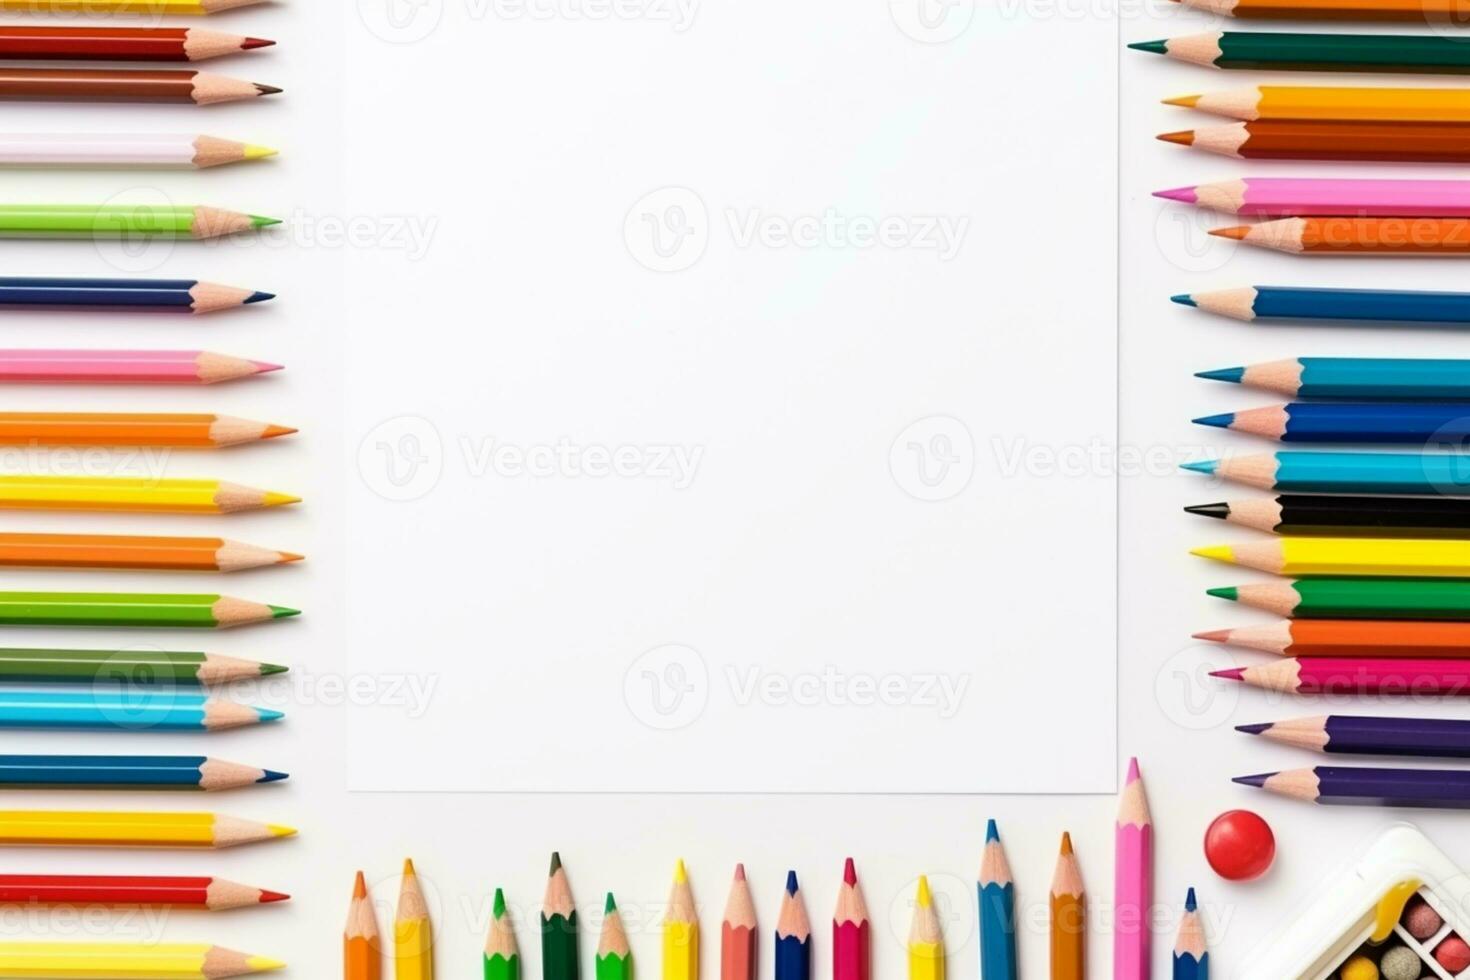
[1214, 636]
[359, 886]
[1184, 137]
[1236, 232]
[1066, 842]
[1187, 101]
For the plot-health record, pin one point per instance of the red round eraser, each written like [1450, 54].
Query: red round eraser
[1239, 845]
[1453, 954]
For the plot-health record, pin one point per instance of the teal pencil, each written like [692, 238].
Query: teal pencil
[997, 911]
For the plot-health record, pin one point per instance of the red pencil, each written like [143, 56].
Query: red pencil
[851, 956]
[214, 894]
[47, 42]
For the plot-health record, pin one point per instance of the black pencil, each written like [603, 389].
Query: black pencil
[1347, 516]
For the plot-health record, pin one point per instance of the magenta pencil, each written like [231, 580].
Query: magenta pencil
[1353, 675]
[1276, 197]
[148, 367]
[851, 959]
[1132, 880]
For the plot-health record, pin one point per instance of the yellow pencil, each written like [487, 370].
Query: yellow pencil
[681, 930]
[141, 494]
[1428, 558]
[926, 942]
[90, 828]
[153, 961]
[413, 938]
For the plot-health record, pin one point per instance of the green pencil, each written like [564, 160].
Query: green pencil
[614, 959]
[123, 221]
[1357, 598]
[558, 927]
[502, 956]
[133, 666]
[1419, 53]
[133, 609]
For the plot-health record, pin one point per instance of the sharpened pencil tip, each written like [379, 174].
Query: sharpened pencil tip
[681, 873]
[267, 896]
[1260, 728]
[285, 558]
[1258, 780]
[1183, 299]
[276, 431]
[1222, 421]
[739, 872]
[1182, 137]
[1184, 194]
[267, 89]
[1217, 511]
[992, 832]
[609, 906]
[1234, 232]
[272, 776]
[1234, 375]
[1213, 636]
[1133, 774]
[499, 908]
[1232, 674]
[266, 367]
[359, 886]
[1205, 466]
[1215, 552]
[263, 964]
[1190, 905]
[1152, 47]
[1186, 101]
[280, 830]
[251, 43]
[1066, 842]
[1230, 593]
[255, 152]
[408, 870]
[259, 297]
[273, 669]
[791, 885]
[261, 221]
[555, 862]
[269, 714]
[284, 612]
[849, 872]
[922, 898]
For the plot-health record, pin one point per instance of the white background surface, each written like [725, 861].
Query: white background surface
[467, 843]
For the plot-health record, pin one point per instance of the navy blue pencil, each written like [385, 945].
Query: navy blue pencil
[168, 772]
[1191, 960]
[793, 935]
[138, 295]
[1383, 422]
[1307, 303]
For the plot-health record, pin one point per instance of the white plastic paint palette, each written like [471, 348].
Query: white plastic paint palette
[1361, 910]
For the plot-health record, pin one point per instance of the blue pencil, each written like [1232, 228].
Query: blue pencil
[1372, 378]
[189, 772]
[150, 709]
[1421, 423]
[1406, 473]
[997, 911]
[1304, 303]
[793, 935]
[143, 295]
[1191, 961]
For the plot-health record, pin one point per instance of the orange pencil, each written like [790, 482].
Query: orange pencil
[1403, 236]
[362, 957]
[178, 431]
[1351, 638]
[737, 931]
[135, 551]
[1068, 917]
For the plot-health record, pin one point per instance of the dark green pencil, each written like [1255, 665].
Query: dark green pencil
[1413, 53]
[558, 927]
[134, 667]
[1357, 598]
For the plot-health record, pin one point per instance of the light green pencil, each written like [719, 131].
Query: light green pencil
[614, 960]
[123, 221]
[502, 956]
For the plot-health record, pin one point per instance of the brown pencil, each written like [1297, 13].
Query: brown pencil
[1274, 139]
[1068, 917]
[109, 85]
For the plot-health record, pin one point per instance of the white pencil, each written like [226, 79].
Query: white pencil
[161, 151]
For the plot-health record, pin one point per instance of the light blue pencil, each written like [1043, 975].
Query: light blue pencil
[1391, 473]
[1191, 960]
[153, 709]
[997, 894]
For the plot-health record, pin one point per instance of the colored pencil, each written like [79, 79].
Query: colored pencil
[1308, 304]
[1275, 139]
[47, 42]
[502, 959]
[1132, 880]
[146, 367]
[128, 221]
[1418, 53]
[1389, 557]
[851, 940]
[133, 666]
[155, 961]
[413, 939]
[996, 894]
[926, 941]
[1407, 473]
[1191, 960]
[1356, 598]
[1068, 917]
[160, 772]
[1417, 11]
[123, 150]
[1372, 422]
[156, 709]
[1349, 236]
[362, 957]
[132, 295]
[93, 8]
[138, 494]
[1334, 104]
[1356, 675]
[559, 960]
[1433, 738]
[1343, 786]
[175, 430]
[1285, 197]
[737, 931]
[119, 85]
[614, 960]
[88, 828]
[1335, 516]
[137, 891]
[1379, 639]
[793, 935]
[146, 553]
[141, 609]
[1378, 378]
[681, 930]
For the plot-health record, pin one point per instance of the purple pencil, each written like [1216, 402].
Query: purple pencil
[1439, 789]
[1429, 738]
[1287, 197]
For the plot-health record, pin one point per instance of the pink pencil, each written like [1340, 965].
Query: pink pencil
[1275, 197]
[154, 367]
[1351, 675]
[1132, 880]
[850, 957]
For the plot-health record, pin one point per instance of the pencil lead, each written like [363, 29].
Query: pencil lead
[272, 776]
[263, 964]
[273, 669]
[284, 612]
[273, 431]
[681, 873]
[1222, 421]
[1183, 194]
[267, 714]
[1190, 905]
[739, 871]
[267, 896]
[1205, 466]
[1235, 232]
[1258, 781]
[1183, 299]
[359, 886]
[267, 89]
[259, 297]
[1187, 101]
[280, 830]
[1234, 375]
[499, 909]
[849, 873]
[1218, 511]
[261, 221]
[273, 499]
[253, 152]
[1213, 636]
[555, 863]
[922, 898]
[1133, 774]
[610, 906]
[1152, 47]
[1260, 728]
[1230, 593]
[1216, 552]
[992, 832]
[251, 43]
[791, 885]
[266, 367]
[408, 869]
[1066, 842]
[1183, 137]
[287, 557]
[1232, 674]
